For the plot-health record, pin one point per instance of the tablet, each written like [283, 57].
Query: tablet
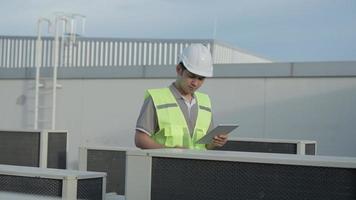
[221, 128]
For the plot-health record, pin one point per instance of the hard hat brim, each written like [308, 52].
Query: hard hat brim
[200, 73]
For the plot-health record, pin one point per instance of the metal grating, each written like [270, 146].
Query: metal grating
[111, 162]
[20, 148]
[31, 185]
[100, 52]
[90, 189]
[310, 149]
[188, 179]
[57, 150]
[264, 147]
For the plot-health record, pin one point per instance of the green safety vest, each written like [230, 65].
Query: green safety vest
[173, 128]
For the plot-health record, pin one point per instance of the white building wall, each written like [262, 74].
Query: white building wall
[104, 111]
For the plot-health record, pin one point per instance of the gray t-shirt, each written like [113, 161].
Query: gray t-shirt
[147, 121]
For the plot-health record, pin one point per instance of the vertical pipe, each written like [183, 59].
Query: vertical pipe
[37, 80]
[55, 67]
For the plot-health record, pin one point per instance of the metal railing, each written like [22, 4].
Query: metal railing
[19, 52]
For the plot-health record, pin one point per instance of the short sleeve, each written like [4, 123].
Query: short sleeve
[147, 120]
[211, 126]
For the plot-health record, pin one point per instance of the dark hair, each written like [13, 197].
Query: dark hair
[195, 75]
[182, 65]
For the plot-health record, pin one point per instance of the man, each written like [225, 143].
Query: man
[178, 116]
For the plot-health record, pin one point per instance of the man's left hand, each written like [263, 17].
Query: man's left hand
[218, 141]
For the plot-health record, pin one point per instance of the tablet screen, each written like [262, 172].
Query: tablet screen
[220, 129]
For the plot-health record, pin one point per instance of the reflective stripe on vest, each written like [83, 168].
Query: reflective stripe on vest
[173, 128]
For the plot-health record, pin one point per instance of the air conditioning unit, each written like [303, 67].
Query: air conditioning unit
[111, 160]
[34, 148]
[303, 147]
[220, 175]
[43, 183]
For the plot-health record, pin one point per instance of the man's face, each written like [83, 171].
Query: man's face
[189, 82]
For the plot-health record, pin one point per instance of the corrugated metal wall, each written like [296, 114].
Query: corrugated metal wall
[20, 52]
[224, 54]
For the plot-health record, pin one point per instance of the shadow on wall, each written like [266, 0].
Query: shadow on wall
[27, 101]
[327, 118]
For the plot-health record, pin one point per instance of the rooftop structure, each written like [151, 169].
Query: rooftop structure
[20, 52]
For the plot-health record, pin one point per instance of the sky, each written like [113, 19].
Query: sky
[280, 30]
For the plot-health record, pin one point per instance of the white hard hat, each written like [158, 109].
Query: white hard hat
[197, 59]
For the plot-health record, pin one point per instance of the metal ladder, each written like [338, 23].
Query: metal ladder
[45, 110]
[41, 82]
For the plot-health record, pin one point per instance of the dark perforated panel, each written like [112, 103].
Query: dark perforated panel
[57, 147]
[111, 162]
[185, 179]
[31, 185]
[267, 147]
[310, 149]
[20, 148]
[90, 189]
